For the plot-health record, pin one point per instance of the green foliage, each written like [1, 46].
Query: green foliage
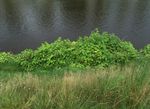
[98, 49]
[57, 54]
[24, 59]
[6, 58]
[146, 51]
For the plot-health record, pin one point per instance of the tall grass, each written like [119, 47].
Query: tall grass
[113, 88]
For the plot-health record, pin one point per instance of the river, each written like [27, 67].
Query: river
[28, 23]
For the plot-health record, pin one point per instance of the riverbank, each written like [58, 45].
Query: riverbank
[99, 71]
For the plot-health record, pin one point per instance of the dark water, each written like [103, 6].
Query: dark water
[27, 23]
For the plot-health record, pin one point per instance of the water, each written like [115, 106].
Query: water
[28, 23]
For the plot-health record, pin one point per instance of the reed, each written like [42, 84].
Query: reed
[112, 88]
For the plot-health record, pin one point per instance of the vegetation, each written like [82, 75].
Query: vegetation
[112, 88]
[146, 51]
[99, 71]
[98, 49]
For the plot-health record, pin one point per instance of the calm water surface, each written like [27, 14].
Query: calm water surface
[27, 23]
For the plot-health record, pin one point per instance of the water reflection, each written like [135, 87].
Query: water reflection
[27, 23]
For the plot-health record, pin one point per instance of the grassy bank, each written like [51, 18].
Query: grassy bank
[99, 71]
[125, 87]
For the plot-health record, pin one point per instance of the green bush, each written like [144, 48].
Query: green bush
[6, 58]
[98, 49]
[58, 54]
[146, 51]
[24, 59]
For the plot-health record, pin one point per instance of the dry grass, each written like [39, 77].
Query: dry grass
[113, 88]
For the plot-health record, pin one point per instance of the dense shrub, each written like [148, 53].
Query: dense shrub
[146, 51]
[6, 58]
[24, 59]
[98, 49]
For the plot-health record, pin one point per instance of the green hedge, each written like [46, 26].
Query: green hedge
[98, 49]
[6, 58]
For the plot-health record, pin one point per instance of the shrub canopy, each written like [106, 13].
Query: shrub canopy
[97, 49]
